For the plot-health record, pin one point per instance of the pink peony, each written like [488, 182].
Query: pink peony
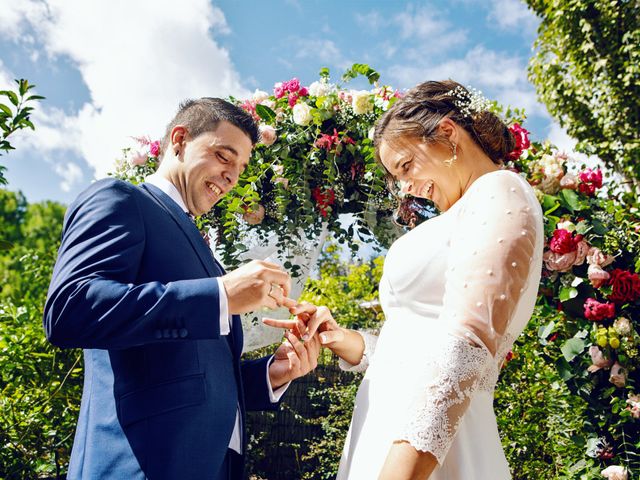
[569, 181]
[598, 360]
[596, 257]
[634, 405]
[563, 241]
[615, 472]
[254, 216]
[597, 311]
[618, 375]
[138, 158]
[597, 276]
[559, 262]
[590, 181]
[582, 249]
[268, 135]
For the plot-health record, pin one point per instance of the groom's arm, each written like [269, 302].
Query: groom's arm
[93, 301]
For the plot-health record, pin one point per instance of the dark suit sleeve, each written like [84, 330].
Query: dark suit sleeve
[254, 383]
[93, 301]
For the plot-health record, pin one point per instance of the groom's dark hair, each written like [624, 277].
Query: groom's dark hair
[204, 114]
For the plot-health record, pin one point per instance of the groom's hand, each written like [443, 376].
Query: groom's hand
[293, 359]
[255, 285]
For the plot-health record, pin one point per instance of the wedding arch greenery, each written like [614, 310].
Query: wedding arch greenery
[316, 163]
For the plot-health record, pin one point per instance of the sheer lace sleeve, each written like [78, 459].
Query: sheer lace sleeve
[370, 341]
[490, 258]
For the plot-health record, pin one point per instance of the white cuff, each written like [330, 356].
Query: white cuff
[225, 326]
[275, 395]
[370, 341]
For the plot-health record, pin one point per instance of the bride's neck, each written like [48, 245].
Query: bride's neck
[477, 164]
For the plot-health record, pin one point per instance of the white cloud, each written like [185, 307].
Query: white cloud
[137, 59]
[71, 175]
[565, 143]
[513, 15]
[325, 51]
[370, 22]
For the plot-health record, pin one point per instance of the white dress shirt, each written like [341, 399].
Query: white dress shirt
[168, 188]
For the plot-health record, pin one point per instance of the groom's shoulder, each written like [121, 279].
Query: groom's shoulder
[108, 189]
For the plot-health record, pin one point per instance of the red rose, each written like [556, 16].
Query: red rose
[323, 199]
[590, 180]
[522, 141]
[563, 241]
[626, 286]
[596, 311]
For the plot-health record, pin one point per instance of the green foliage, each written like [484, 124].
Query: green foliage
[15, 115]
[586, 70]
[40, 385]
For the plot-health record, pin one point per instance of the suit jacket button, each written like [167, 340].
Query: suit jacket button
[183, 332]
[174, 333]
[166, 333]
[158, 333]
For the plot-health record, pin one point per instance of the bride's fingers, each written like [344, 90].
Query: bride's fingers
[288, 302]
[303, 308]
[331, 336]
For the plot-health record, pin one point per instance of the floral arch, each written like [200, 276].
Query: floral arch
[316, 163]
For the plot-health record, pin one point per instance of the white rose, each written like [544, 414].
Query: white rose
[302, 114]
[319, 89]
[260, 96]
[361, 102]
[552, 166]
[615, 472]
[267, 135]
[371, 132]
[567, 225]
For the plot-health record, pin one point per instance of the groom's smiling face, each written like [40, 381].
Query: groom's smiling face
[210, 165]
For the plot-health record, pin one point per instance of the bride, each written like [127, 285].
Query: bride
[456, 291]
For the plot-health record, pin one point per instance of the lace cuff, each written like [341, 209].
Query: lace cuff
[370, 341]
[435, 414]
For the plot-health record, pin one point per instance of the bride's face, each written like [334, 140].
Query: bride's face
[421, 170]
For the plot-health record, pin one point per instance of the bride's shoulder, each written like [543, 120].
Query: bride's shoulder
[499, 184]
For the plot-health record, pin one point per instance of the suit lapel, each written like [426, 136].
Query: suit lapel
[188, 228]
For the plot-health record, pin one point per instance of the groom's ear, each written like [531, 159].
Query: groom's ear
[178, 136]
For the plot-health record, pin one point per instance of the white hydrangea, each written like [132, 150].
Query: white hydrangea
[321, 88]
[622, 325]
[552, 166]
[302, 114]
[361, 102]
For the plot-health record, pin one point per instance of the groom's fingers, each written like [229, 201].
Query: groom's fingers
[297, 345]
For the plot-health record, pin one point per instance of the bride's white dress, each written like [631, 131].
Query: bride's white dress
[456, 291]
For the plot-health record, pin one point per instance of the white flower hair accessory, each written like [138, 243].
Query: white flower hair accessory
[469, 100]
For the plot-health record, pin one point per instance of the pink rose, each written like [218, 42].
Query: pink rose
[522, 141]
[154, 148]
[559, 262]
[618, 375]
[293, 99]
[597, 276]
[569, 181]
[293, 85]
[268, 135]
[615, 472]
[598, 360]
[138, 158]
[590, 180]
[254, 216]
[303, 92]
[279, 90]
[596, 257]
[597, 311]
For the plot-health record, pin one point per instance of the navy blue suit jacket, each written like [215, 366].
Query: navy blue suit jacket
[134, 286]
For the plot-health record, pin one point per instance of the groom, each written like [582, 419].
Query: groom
[137, 288]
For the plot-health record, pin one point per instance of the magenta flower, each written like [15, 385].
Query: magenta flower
[154, 148]
[597, 311]
[522, 140]
[590, 181]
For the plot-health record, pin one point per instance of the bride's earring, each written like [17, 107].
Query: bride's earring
[451, 161]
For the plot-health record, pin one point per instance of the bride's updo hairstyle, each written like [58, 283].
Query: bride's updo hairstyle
[416, 116]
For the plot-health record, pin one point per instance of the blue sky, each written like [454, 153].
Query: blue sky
[115, 69]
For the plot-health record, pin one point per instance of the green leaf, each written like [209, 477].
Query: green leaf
[549, 204]
[35, 97]
[324, 73]
[570, 199]
[265, 113]
[361, 69]
[6, 109]
[572, 348]
[545, 330]
[11, 95]
[567, 293]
